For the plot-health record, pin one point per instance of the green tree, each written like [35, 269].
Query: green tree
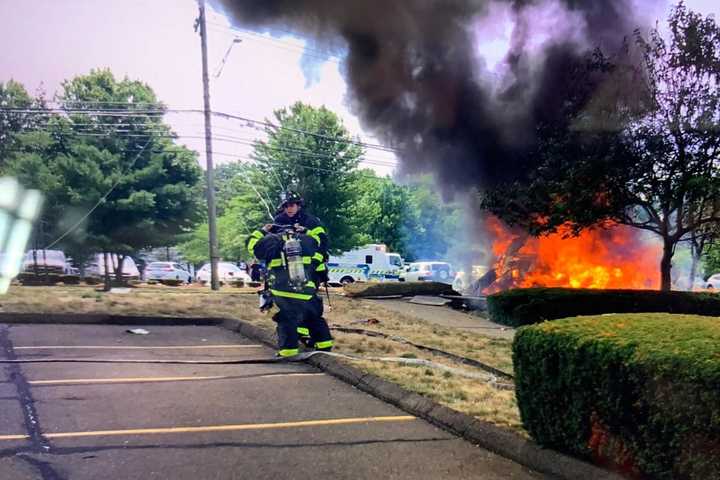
[242, 214]
[656, 171]
[118, 174]
[309, 150]
[434, 225]
[380, 211]
[13, 96]
[410, 219]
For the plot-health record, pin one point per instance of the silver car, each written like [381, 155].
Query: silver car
[167, 271]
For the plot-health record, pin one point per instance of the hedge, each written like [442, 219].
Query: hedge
[381, 289]
[528, 306]
[639, 392]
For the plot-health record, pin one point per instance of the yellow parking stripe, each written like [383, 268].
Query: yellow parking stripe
[14, 437]
[227, 428]
[90, 381]
[121, 347]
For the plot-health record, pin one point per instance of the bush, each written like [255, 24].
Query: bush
[382, 289]
[640, 392]
[534, 305]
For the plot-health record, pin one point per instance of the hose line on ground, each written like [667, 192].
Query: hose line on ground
[489, 378]
[467, 361]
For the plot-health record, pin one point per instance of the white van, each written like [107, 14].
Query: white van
[369, 262]
[96, 266]
[50, 261]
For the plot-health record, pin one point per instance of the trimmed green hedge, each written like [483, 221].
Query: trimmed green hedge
[639, 392]
[528, 306]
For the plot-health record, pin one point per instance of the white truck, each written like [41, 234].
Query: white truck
[366, 263]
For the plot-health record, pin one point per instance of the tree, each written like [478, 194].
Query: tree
[657, 170]
[380, 213]
[242, 213]
[117, 174]
[309, 150]
[410, 219]
[13, 96]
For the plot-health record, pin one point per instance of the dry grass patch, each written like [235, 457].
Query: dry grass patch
[475, 397]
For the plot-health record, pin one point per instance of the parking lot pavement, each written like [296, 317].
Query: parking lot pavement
[160, 421]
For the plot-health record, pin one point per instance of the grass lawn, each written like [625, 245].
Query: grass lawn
[475, 397]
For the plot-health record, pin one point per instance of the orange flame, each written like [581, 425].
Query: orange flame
[613, 257]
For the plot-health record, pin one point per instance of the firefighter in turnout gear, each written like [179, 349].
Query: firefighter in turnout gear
[290, 211]
[294, 263]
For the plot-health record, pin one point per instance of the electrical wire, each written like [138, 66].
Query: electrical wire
[218, 138]
[146, 112]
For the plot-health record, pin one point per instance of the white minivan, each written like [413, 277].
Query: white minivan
[227, 273]
[50, 261]
[96, 266]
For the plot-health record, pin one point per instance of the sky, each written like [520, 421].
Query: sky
[48, 41]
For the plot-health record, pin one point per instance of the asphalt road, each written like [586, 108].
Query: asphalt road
[151, 421]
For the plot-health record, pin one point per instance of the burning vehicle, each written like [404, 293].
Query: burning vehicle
[615, 256]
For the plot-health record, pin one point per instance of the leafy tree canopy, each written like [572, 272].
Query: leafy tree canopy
[121, 176]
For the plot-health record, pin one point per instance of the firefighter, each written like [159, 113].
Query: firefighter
[297, 304]
[291, 212]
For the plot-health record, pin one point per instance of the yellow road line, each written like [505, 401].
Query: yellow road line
[89, 381]
[227, 428]
[120, 347]
[14, 437]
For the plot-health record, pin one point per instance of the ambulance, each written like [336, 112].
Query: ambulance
[367, 263]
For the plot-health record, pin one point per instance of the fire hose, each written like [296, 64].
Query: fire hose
[452, 356]
[489, 378]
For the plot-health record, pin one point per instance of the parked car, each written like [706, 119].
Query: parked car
[163, 271]
[713, 282]
[428, 271]
[227, 272]
[96, 266]
[50, 261]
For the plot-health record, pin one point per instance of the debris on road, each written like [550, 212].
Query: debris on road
[369, 321]
[426, 300]
[137, 331]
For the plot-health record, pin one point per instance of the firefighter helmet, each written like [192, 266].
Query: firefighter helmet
[289, 197]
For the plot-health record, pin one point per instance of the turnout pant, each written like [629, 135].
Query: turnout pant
[293, 313]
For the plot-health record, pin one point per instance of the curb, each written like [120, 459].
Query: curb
[484, 434]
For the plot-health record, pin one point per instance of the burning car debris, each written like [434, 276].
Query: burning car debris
[615, 256]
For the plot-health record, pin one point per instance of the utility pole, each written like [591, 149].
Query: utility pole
[209, 174]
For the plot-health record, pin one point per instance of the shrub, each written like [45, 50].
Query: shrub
[527, 306]
[640, 392]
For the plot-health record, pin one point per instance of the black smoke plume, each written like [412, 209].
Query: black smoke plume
[418, 83]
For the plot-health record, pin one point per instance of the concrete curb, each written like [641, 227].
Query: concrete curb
[484, 434]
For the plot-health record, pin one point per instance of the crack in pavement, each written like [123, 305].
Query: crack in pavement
[39, 444]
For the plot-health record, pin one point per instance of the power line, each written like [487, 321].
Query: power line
[219, 138]
[136, 113]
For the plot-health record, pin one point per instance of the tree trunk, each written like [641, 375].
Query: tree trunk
[119, 269]
[695, 254]
[107, 286]
[666, 265]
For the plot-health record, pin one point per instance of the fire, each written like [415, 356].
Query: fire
[611, 257]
